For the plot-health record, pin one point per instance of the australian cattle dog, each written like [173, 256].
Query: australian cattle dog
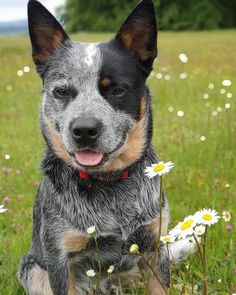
[96, 120]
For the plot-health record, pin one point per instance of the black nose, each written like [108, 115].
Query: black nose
[85, 130]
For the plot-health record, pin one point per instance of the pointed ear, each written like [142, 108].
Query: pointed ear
[46, 33]
[139, 32]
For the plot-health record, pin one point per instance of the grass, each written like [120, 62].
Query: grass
[202, 169]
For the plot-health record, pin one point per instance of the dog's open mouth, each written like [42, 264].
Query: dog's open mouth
[89, 158]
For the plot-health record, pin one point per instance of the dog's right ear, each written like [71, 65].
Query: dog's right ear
[46, 33]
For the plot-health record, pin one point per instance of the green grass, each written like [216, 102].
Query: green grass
[202, 169]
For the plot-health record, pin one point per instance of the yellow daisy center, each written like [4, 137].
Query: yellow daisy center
[158, 167]
[227, 215]
[167, 239]
[187, 224]
[207, 217]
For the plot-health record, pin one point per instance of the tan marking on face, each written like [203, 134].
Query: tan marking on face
[73, 241]
[142, 108]
[106, 82]
[155, 225]
[58, 145]
[132, 149]
[40, 282]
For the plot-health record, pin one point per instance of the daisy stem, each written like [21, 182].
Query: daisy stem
[153, 271]
[160, 225]
[99, 265]
[170, 267]
[204, 279]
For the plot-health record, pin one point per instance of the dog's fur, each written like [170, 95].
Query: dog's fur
[105, 81]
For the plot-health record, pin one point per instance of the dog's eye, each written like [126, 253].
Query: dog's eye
[118, 92]
[61, 92]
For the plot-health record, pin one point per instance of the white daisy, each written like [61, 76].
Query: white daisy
[159, 169]
[207, 217]
[226, 215]
[134, 249]
[226, 83]
[111, 269]
[90, 273]
[2, 209]
[199, 230]
[167, 239]
[91, 230]
[184, 228]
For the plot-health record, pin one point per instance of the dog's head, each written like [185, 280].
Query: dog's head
[96, 107]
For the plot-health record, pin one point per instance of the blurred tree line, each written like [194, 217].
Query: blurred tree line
[107, 15]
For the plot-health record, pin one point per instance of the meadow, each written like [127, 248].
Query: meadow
[194, 126]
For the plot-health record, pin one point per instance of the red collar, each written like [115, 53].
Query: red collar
[85, 176]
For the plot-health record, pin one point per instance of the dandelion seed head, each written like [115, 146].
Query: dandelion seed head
[219, 109]
[227, 105]
[20, 73]
[226, 83]
[222, 91]
[7, 157]
[229, 95]
[171, 109]
[183, 58]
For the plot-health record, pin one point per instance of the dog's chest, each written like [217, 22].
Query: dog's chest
[118, 209]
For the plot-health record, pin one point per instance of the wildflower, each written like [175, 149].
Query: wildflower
[20, 73]
[183, 58]
[205, 96]
[207, 217]
[180, 114]
[199, 230]
[2, 209]
[6, 200]
[111, 269]
[184, 228]
[167, 77]
[171, 109]
[90, 273]
[159, 76]
[203, 138]
[219, 281]
[134, 249]
[219, 109]
[227, 105]
[167, 239]
[159, 169]
[183, 76]
[226, 83]
[7, 157]
[214, 113]
[226, 215]
[9, 88]
[229, 227]
[26, 69]
[211, 86]
[227, 185]
[229, 95]
[91, 230]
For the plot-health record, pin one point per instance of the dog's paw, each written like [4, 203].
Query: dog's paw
[27, 264]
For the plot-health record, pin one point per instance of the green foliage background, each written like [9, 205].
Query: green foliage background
[106, 16]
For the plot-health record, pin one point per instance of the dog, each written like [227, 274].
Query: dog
[96, 120]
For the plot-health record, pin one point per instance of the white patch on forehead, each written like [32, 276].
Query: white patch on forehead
[91, 51]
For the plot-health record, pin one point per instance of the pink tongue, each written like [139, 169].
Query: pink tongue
[88, 158]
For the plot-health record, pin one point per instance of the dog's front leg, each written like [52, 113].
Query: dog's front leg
[60, 240]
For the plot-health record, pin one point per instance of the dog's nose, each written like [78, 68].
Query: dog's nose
[85, 129]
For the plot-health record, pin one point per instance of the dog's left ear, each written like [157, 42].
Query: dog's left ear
[46, 33]
[139, 32]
